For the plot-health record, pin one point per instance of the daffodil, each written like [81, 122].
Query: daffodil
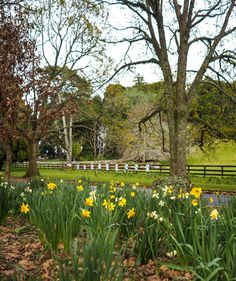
[161, 203]
[80, 188]
[171, 254]
[86, 213]
[51, 186]
[122, 202]
[194, 202]
[211, 200]
[89, 202]
[196, 192]
[214, 214]
[132, 194]
[92, 194]
[153, 215]
[155, 194]
[112, 189]
[131, 213]
[170, 189]
[79, 181]
[105, 203]
[186, 195]
[24, 208]
[122, 184]
[111, 207]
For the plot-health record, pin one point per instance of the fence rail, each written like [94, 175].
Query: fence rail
[192, 170]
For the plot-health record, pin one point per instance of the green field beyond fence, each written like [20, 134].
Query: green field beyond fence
[192, 170]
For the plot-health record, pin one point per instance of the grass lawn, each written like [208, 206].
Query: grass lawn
[223, 154]
[145, 179]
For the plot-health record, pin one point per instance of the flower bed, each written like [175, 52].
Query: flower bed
[93, 234]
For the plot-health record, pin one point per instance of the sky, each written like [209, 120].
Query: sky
[151, 72]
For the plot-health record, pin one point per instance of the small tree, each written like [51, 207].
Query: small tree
[40, 111]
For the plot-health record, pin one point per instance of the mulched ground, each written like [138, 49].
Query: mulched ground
[22, 255]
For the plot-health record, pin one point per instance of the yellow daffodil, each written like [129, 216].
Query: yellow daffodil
[214, 214]
[112, 189]
[137, 184]
[132, 194]
[211, 200]
[24, 208]
[51, 186]
[122, 184]
[196, 192]
[112, 197]
[194, 202]
[89, 202]
[111, 207]
[131, 213]
[80, 188]
[170, 189]
[86, 213]
[79, 181]
[122, 202]
[105, 203]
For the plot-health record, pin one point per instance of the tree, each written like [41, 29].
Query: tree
[147, 122]
[72, 86]
[213, 112]
[89, 127]
[40, 111]
[15, 52]
[116, 127]
[172, 31]
[71, 49]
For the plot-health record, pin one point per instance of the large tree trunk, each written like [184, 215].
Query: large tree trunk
[8, 162]
[32, 170]
[177, 134]
[177, 121]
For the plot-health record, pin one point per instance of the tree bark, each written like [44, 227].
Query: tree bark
[32, 170]
[68, 137]
[8, 162]
[70, 141]
[177, 121]
[177, 134]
